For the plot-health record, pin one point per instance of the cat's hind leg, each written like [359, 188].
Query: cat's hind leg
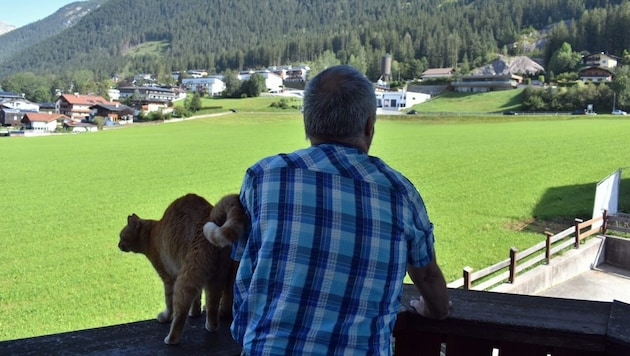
[184, 292]
[227, 295]
[167, 314]
[195, 307]
[213, 298]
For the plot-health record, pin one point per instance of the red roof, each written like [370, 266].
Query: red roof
[42, 117]
[77, 99]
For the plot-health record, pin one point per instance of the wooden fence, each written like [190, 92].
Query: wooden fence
[508, 269]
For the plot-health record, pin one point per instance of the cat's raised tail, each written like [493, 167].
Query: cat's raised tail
[227, 221]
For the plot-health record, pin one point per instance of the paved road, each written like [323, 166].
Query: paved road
[606, 283]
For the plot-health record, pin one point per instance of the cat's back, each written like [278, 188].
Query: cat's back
[183, 219]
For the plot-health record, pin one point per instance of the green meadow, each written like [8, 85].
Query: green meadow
[493, 101]
[488, 185]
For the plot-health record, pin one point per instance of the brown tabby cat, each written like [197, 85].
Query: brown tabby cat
[227, 221]
[185, 261]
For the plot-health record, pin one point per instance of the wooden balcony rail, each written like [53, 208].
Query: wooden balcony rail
[479, 323]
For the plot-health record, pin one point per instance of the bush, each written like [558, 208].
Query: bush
[282, 104]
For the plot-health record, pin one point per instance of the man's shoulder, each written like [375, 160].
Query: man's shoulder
[278, 161]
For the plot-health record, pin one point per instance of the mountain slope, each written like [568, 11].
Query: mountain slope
[24, 37]
[159, 36]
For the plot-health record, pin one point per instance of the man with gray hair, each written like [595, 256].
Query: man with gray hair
[331, 233]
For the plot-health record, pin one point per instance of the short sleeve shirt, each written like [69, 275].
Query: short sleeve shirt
[331, 231]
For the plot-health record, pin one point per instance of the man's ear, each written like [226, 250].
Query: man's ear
[369, 127]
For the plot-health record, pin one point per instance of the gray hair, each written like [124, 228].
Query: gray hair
[338, 102]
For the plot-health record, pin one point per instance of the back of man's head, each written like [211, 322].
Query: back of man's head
[338, 102]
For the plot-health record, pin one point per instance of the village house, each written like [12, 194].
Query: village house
[433, 73]
[12, 111]
[42, 122]
[273, 82]
[291, 73]
[20, 104]
[598, 67]
[113, 94]
[113, 113]
[213, 85]
[151, 98]
[486, 83]
[78, 107]
[397, 100]
[11, 117]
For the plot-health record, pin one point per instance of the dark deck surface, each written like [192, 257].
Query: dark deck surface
[556, 322]
[139, 338]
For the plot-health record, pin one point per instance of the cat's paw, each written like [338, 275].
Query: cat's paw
[171, 340]
[212, 326]
[194, 312]
[212, 232]
[164, 317]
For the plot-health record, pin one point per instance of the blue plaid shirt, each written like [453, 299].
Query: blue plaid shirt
[323, 259]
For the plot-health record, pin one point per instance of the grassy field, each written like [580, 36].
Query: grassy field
[488, 186]
[494, 101]
[260, 104]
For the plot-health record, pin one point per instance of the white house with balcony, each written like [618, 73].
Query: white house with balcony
[273, 82]
[398, 100]
[214, 86]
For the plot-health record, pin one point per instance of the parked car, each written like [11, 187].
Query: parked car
[619, 112]
[412, 112]
[510, 112]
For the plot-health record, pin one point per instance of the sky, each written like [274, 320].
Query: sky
[23, 12]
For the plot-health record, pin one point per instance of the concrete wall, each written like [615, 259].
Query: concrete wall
[617, 252]
[561, 269]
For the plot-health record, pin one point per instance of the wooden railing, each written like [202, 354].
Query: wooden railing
[487, 323]
[508, 269]
[479, 323]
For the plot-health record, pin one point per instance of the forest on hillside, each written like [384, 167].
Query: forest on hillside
[39, 31]
[220, 35]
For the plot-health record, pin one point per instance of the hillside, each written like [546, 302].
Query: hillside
[24, 37]
[510, 65]
[160, 36]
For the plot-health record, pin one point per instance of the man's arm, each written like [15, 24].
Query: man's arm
[430, 282]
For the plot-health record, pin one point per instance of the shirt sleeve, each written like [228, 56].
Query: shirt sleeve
[421, 250]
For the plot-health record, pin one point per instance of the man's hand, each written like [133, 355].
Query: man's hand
[421, 308]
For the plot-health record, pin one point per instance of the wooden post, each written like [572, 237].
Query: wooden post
[577, 232]
[513, 252]
[604, 222]
[548, 234]
[467, 279]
